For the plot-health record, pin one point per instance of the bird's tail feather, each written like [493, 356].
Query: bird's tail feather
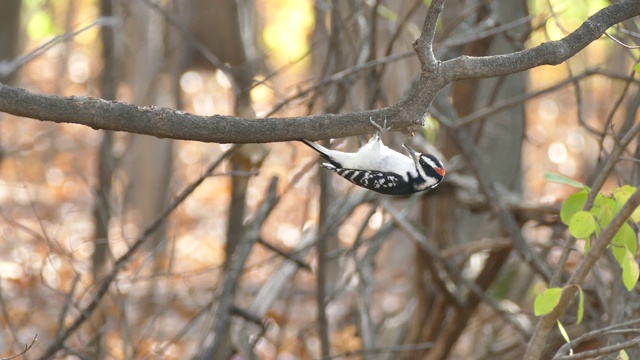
[319, 148]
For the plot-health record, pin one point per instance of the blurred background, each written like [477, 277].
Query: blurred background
[311, 267]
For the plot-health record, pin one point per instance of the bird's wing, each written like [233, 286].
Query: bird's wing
[373, 179]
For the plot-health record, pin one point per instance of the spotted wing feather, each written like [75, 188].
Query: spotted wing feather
[378, 181]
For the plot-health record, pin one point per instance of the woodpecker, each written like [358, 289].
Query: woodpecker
[381, 169]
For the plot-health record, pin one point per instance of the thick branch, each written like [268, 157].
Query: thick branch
[424, 44]
[405, 116]
[174, 124]
[550, 53]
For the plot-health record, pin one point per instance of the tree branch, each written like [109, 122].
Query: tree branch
[550, 53]
[406, 115]
[595, 333]
[27, 347]
[599, 352]
[103, 288]
[175, 124]
[222, 348]
[424, 44]
[495, 200]
[547, 322]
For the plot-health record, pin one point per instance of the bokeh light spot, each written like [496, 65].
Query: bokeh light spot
[557, 153]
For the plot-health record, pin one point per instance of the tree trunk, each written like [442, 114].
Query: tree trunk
[109, 81]
[447, 223]
[9, 36]
[148, 162]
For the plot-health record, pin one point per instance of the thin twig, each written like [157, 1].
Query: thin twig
[488, 188]
[452, 273]
[10, 67]
[621, 43]
[291, 257]
[27, 347]
[86, 312]
[547, 322]
[590, 354]
[591, 334]
[192, 40]
[68, 301]
[268, 294]
[4, 310]
[603, 175]
[381, 350]
[221, 346]
[518, 100]
[475, 36]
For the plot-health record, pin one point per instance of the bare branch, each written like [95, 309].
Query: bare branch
[446, 269]
[603, 175]
[550, 53]
[635, 342]
[175, 124]
[547, 322]
[591, 334]
[405, 116]
[291, 257]
[27, 347]
[390, 349]
[497, 203]
[10, 67]
[620, 42]
[518, 100]
[424, 44]
[86, 312]
[222, 346]
[269, 292]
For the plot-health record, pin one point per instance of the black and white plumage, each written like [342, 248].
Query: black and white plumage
[379, 168]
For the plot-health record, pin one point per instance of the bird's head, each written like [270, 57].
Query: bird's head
[429, 167]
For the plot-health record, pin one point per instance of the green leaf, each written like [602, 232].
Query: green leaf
[637, 68]
[547, 301]
[630, 271]
[387, 13]
[587, 245]
[40, 25]
[563, 332]
[603, 200]
[621, 195]
[561, 179]
[602, 210]
[430, 128]
[574, 203]
[580, 306]
[635, 216]
[603, 215]
[623, 240]
[582, 225]
[628, 190]
[623, 354]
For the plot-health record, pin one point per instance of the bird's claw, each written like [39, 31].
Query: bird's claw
[381, 129]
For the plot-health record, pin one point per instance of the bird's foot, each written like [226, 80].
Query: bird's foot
[381, 129]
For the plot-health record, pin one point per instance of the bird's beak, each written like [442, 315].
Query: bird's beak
[416, 159]
[411, 152]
